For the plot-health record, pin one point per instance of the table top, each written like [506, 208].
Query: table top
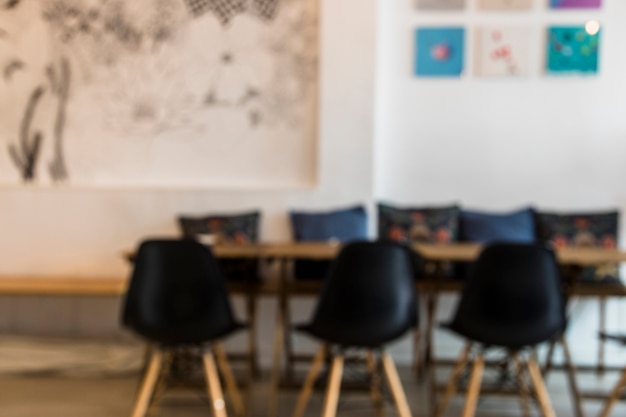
[467, 252]
[114, 286]
[457, 252]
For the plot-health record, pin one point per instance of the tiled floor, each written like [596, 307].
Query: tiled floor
[51, 396]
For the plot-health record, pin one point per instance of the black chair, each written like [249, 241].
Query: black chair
[368, 300]
[177, 298]
[513, 300]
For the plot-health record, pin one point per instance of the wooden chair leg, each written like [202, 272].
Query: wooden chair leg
[309, 382]
[615, 395]
[395, 385]
[375, 388]
[540, 388]
[473, 390]
[162, 380]
[149, 382]
[231, 383]
[216, 396]
[451, 386]
[334, 385]
[521, 382]
[571, 378]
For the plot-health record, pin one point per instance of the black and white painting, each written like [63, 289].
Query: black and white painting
[175, 93]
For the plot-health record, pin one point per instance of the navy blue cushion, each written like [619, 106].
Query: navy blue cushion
[485, 227]
[342, 225]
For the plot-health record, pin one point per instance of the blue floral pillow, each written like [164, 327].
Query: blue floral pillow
[598, 229]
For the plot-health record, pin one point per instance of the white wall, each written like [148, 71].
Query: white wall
[557, 142]
[499, 144]
[486, 143]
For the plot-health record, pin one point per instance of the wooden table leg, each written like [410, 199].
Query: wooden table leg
[431, 309]
[277, 358]
[253, 363]
[602, 312]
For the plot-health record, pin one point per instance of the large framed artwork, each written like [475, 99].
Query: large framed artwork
[159, 93]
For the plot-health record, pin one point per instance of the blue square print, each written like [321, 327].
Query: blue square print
[573, 49]
[439, 52]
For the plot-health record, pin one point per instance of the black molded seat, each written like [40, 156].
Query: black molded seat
[512, 300]
[177, 297]
[368, 299]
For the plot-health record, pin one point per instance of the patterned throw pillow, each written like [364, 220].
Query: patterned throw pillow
[236, 229]
[420, 224]
[583, 230]
[240, 228]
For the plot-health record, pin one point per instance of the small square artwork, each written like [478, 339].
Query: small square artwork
[505, 5]
[502, 51]
[441, 4]
[439, 51]
[573, 48]
[575, 4]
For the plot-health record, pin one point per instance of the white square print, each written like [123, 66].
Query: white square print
[502, 51]
[441, 4]
[505, 4]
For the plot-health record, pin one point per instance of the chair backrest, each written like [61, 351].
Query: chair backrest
[513, 298]
[369, 296]
[177, 294]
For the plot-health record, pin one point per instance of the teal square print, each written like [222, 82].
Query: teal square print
[439, 51]
[572, 49]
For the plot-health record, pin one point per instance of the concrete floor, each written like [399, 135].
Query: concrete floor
[63, 396]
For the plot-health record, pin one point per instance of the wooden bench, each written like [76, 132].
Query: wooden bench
[62, 286]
